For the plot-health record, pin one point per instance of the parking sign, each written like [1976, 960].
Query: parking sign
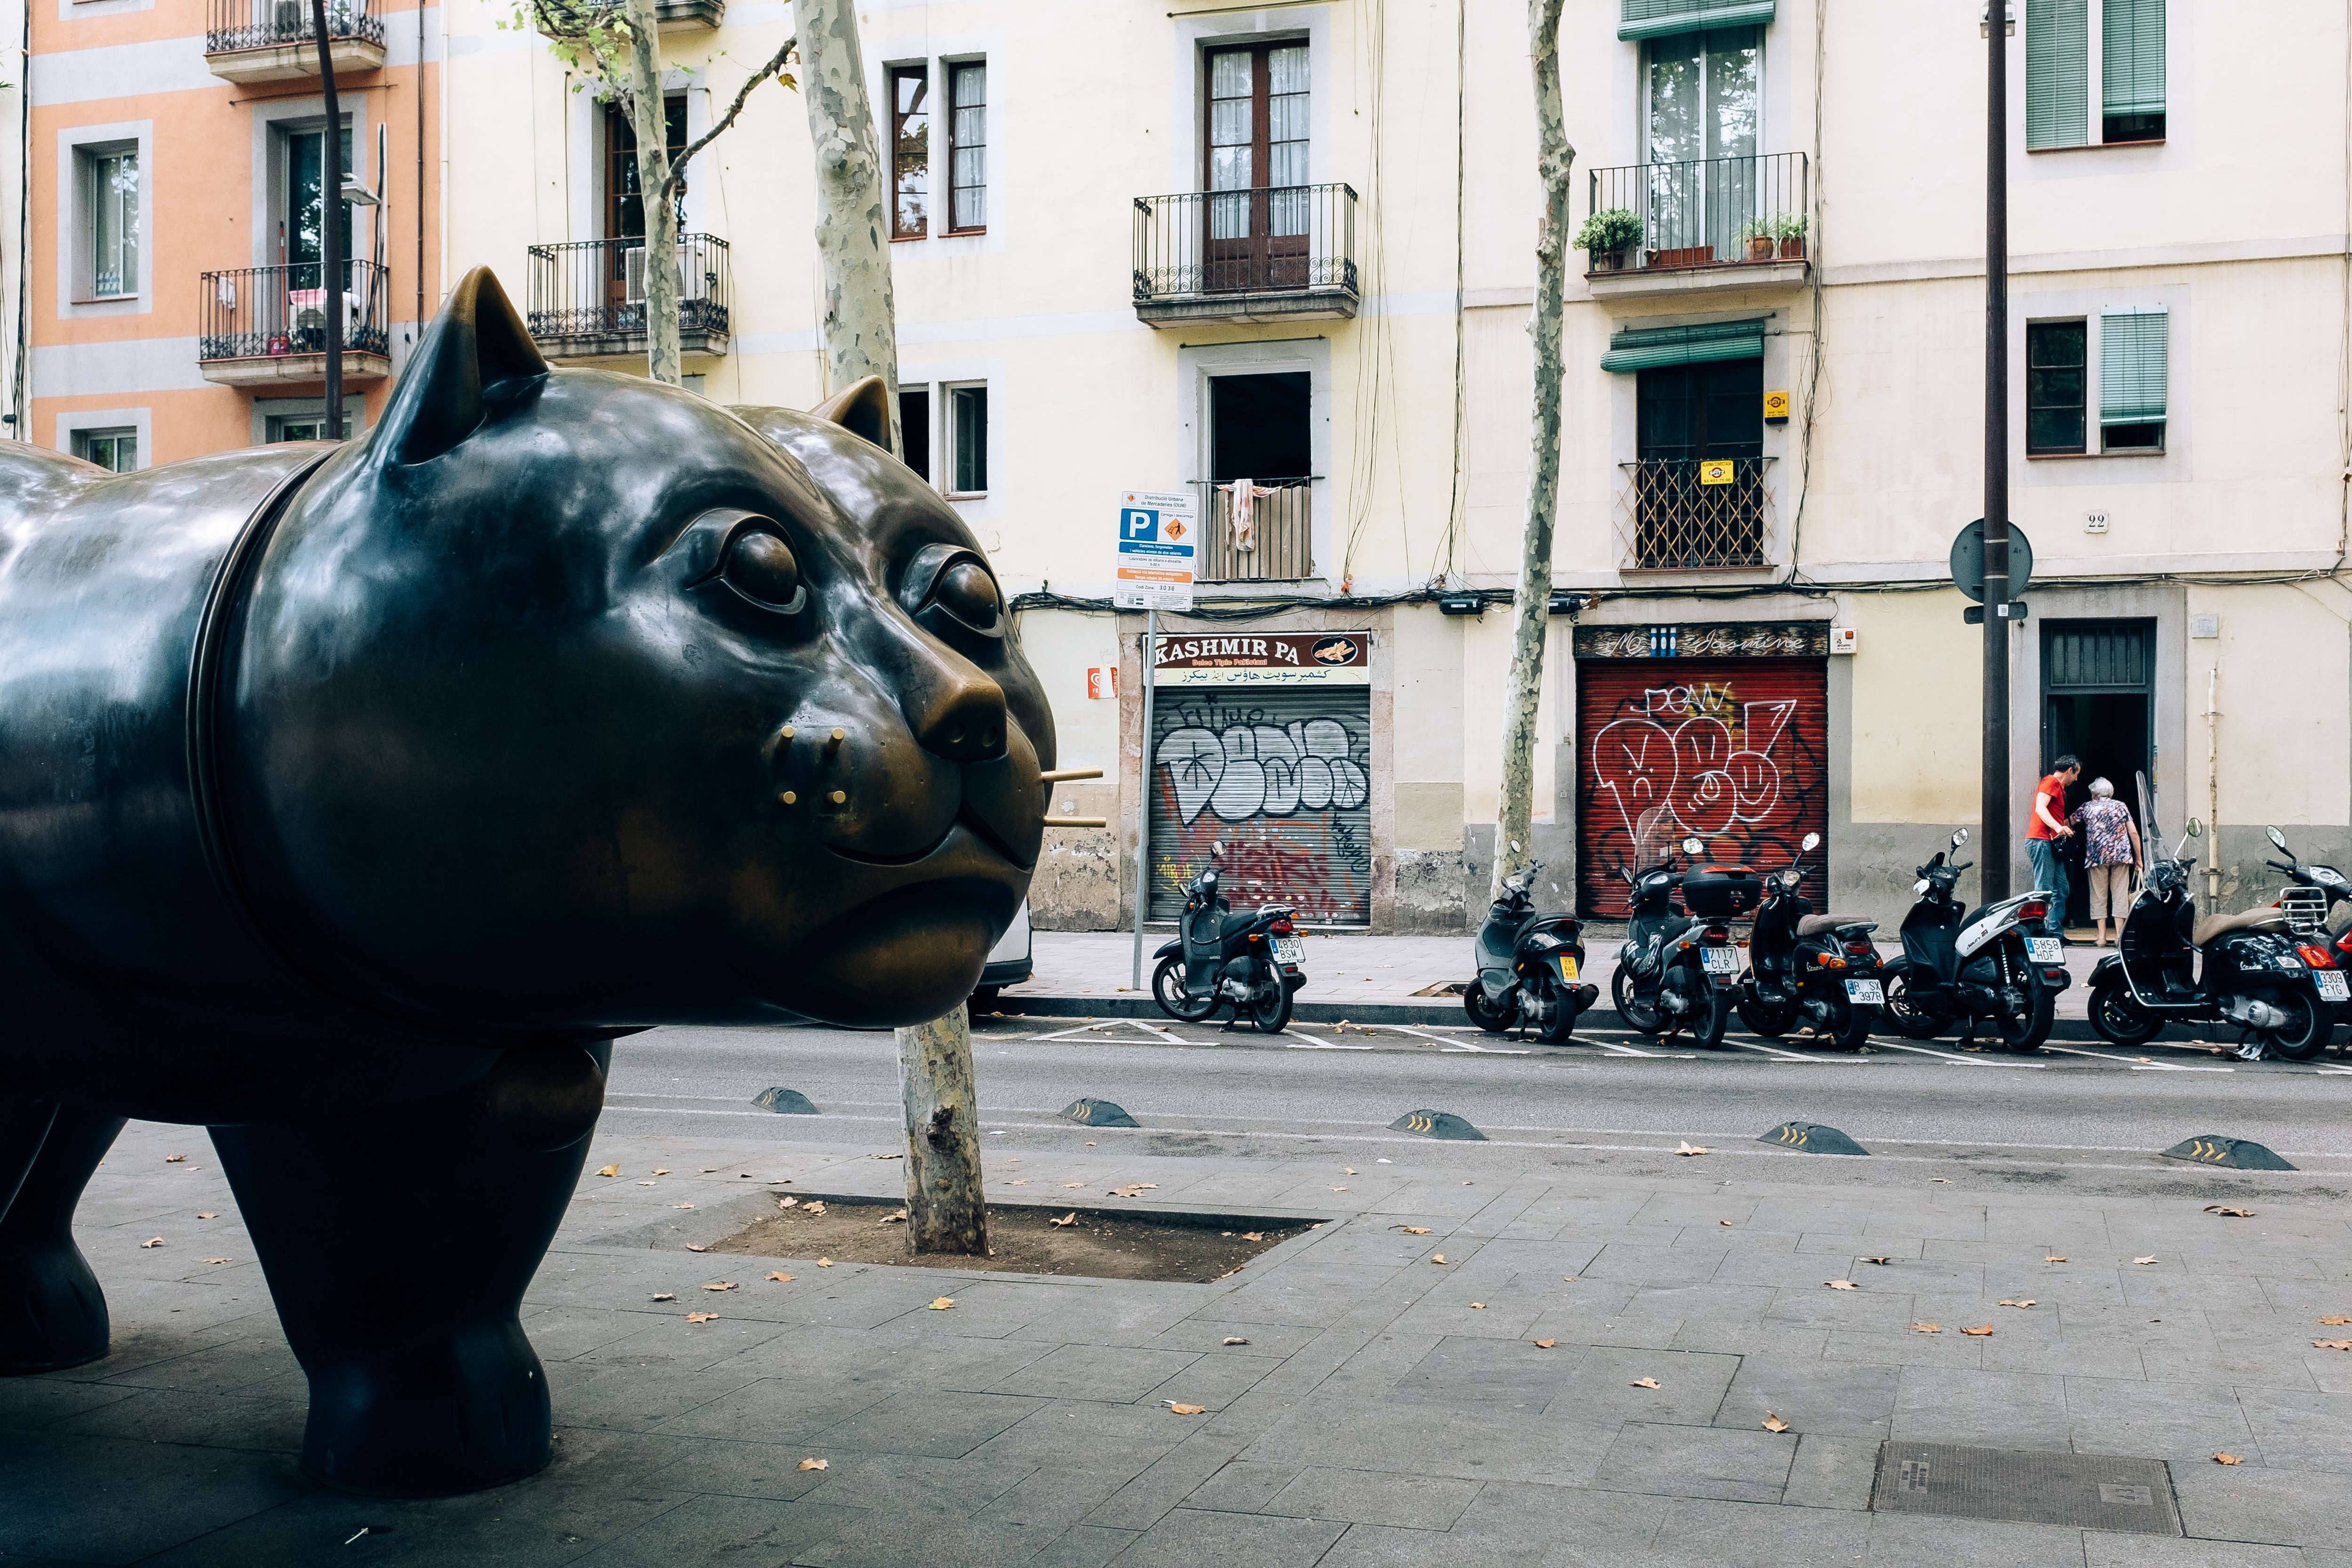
[1159, 532]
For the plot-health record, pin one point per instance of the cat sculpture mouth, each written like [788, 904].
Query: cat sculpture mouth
[967, 822]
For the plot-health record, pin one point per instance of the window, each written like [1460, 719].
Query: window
[968, 147]
[910, 151]
[1254, 164]
[968, 439]
[1705, 101]
[117, 450]
[1260, 427]
[2057, 381]
[624, 208]
[301, 225]
[1700, 411]
[313, 425]
[2134, 343]
[2131, 70]
[2058, 72]
[915, 428]
[111, 205]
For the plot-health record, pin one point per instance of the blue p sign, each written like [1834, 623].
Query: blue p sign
[1138, 523]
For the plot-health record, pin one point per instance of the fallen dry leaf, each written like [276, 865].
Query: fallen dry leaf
[1233, 1339]
[174, 1159]
[663, 1170]
[1069, 1219]
[1926, 1328]
[2228, 1212]
[610, 1171]
[2336, 1322]
[1411, 1229]
[2055, 1258]
[2149, 1259]
[1940, 1181]
[1023, 1181]
[681, 1206]
[779, 1276]
[645, 1183]
[941, 1303]
[720, 1285]
[2333, 1343]
[1437, 1257]
[1090, 1142]
[1477, 1306]
[665, 1296]
[207, 1214]
[896, 1217]
[1981, 1331]
[1773, 1423]
[1723, 1222]
[1071, 1184]
[215, 1259]
[2023, 1302]
[702, 1317]
[1346, 1170]
[696, 1247]
[2228, 1460]
[889, 1157]
[1187, 1409]
[1688, 1149]
[1338, 1189]
[1643, 1383]
[815, 1205]
[1840, 1284]
[1253, 1235]
[152, 1241]
[825, 1263]
[1881, 1261]
[814, 1465]
[1545, 1343]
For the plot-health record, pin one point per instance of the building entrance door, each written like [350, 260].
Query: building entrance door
[2098, 700]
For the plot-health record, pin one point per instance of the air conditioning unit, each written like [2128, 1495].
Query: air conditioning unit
[290, 20]
[632, 275]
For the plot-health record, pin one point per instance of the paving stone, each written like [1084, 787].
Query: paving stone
[1423, 1439]
[1995, 1409]
[1901, 1541]
[1188, 1538]
[110, 1499]
[940, 1423]
[1697, 1461]
[1167, 1480]
[1832, 1472]
[2106, 1549]
[1831, 1399]
[1483, 1373]
[896, 1539]
[721, 1529]
[225, 1421]
[1214, 1381]
[29, 1402]
[2181, 1421]
[1709, 1534]
[1690, 1387]
[1388, 1546]
[1084, 1546]
[1242, 1486]
[1117, 1374]
[2256, 1503]
[1372, 1497]
[1656, 1265]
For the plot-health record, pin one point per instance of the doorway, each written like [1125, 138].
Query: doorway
[1261, 467]
[2098, 702]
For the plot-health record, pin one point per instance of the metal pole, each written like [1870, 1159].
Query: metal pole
[1143, 801]
[333, 265]
[1993, 860]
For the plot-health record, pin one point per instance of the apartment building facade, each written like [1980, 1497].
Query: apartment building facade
[1280, 258]
[168, 295]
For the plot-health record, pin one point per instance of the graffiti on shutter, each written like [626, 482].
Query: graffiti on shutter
[1282, 777]
[1734, 748]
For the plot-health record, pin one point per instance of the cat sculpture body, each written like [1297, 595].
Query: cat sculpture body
[353, 799]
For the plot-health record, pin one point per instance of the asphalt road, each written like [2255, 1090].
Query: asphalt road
[2061, 1115]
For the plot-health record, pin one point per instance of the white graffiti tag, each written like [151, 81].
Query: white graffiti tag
[1258, 770]
[1697, 770]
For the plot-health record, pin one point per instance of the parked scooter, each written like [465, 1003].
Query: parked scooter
[1254, 961]
[1528, 967]
[2256, 973]
[1957, 968]
[1820, 971]
[1679, 970]
[2310, 907]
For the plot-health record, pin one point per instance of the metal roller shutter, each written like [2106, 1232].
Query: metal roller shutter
[1284, 778]
[1738, 748]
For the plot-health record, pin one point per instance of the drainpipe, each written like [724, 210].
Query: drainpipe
[2213, 789]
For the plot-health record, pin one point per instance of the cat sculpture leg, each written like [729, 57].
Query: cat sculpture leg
[397, 1244]
[52, 1312]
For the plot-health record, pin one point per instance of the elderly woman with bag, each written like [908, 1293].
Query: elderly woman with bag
[2111, 854]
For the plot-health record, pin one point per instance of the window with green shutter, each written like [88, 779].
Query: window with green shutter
[2131, 70]
[2133, 352]
[2057, 73]
[1653, 348]
[1656, 18]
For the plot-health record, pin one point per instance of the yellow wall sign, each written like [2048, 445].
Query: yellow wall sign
[1776, 406]
[1717, 471]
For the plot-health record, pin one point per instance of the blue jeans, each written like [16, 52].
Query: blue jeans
[2050, 874]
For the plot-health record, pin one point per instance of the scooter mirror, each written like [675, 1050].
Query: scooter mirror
[1692, 847]
[1959, 838]
[1217, 851]
[1515, 846]
[2196, 829]
[1921, 887]
[1811, 841]
[2277, 838]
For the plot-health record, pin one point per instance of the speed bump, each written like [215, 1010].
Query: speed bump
[2235, 1153]
[786, 1103]
[1097, 1113]
[1437, 1125]
[1811, 1138]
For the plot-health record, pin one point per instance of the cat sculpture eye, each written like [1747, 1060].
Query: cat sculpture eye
[952, 582]
[760, 568]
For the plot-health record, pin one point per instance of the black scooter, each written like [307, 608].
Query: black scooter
[2310, 908]
[1253, 961]
[1678, 970]
[1528, 967]
[1820, 970]
[2256, 974]
[1959, 969]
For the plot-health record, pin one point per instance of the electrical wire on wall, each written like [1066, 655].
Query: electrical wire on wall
[1447, 559]
[1375, 362]
[1819, 295]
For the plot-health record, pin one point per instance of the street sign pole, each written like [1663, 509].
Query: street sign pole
[1159, 541]
[1143, 800]
[1993, 858]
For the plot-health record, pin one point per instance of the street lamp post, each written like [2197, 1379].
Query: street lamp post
[1993, 858]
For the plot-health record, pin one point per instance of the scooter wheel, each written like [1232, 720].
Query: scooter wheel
[1762, 1018]
[1560, 1028]
[1168, 991]
[2118, 1020]
[1270, 1014]
[1715, 1007]
[1911, 1021]
[1855, 1032]
[1474, 1002]
[2305, 1034]
[1637, 1014]
[2024, 1035]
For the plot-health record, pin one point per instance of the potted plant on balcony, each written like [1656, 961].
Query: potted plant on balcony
[1607, 236]
[1759, 234]
[1789, 228]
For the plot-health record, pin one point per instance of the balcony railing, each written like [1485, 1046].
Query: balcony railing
[1241, 254]
[1277, 545]
[1687, 514]
[277, 313]
[1710, 212]
[588, 296]
[235, 25]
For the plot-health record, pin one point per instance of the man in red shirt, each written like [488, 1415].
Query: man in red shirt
[2043, 833]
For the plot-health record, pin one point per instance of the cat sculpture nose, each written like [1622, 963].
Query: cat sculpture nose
[964, 723]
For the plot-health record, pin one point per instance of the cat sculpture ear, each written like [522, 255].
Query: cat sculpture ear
[476, 347]
[862, 408]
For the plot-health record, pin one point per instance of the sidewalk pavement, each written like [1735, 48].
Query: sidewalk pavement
[1371, 980]
[1363, 1402]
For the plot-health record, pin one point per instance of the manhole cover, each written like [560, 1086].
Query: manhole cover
[2080, 1491]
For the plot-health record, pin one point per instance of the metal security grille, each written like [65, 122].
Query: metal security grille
[1685, 514]
[2079, 1491]
[1736, 749]
[1282, 777]
[2098, 655]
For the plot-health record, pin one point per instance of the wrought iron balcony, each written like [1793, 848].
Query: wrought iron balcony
[1246, 256]
[568, 18]
[270, 40]
[1688, 514]
[1278, 544]
[588, 296]
[1746, 215]
[267, 326]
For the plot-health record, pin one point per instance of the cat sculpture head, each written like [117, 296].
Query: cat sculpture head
[564, 700]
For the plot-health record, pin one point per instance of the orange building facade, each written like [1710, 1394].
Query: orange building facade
[173, 297]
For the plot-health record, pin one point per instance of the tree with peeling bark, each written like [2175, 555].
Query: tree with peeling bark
[1531, 607]
[616, 46]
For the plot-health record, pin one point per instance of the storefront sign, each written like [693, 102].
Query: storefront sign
[1265, 659]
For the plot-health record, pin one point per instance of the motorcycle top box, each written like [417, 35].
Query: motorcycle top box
[1721, 892]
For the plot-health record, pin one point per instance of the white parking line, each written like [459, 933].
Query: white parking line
[1963, 1061]
[1769, 1050]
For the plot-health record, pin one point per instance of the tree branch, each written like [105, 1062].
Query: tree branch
[678, 164]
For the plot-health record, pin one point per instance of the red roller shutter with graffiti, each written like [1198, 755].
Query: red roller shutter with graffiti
[1736, 748]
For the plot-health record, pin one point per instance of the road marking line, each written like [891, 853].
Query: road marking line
[2343, 1070]
[1773, 1050]
[1618, 1048]
[1948, 1056]
[1082, 1029]
[2176, 1067]
[2093, 1055]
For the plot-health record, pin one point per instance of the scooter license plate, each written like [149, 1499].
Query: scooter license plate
[2332, 986]
[1720, 960]
[1288, 950]
[2045, 950]
[1568, 967]
[1869, 991]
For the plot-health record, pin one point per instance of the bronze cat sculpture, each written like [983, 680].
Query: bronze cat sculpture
[354, 799]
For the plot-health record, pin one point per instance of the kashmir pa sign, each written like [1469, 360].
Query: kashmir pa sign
[1263, 659]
